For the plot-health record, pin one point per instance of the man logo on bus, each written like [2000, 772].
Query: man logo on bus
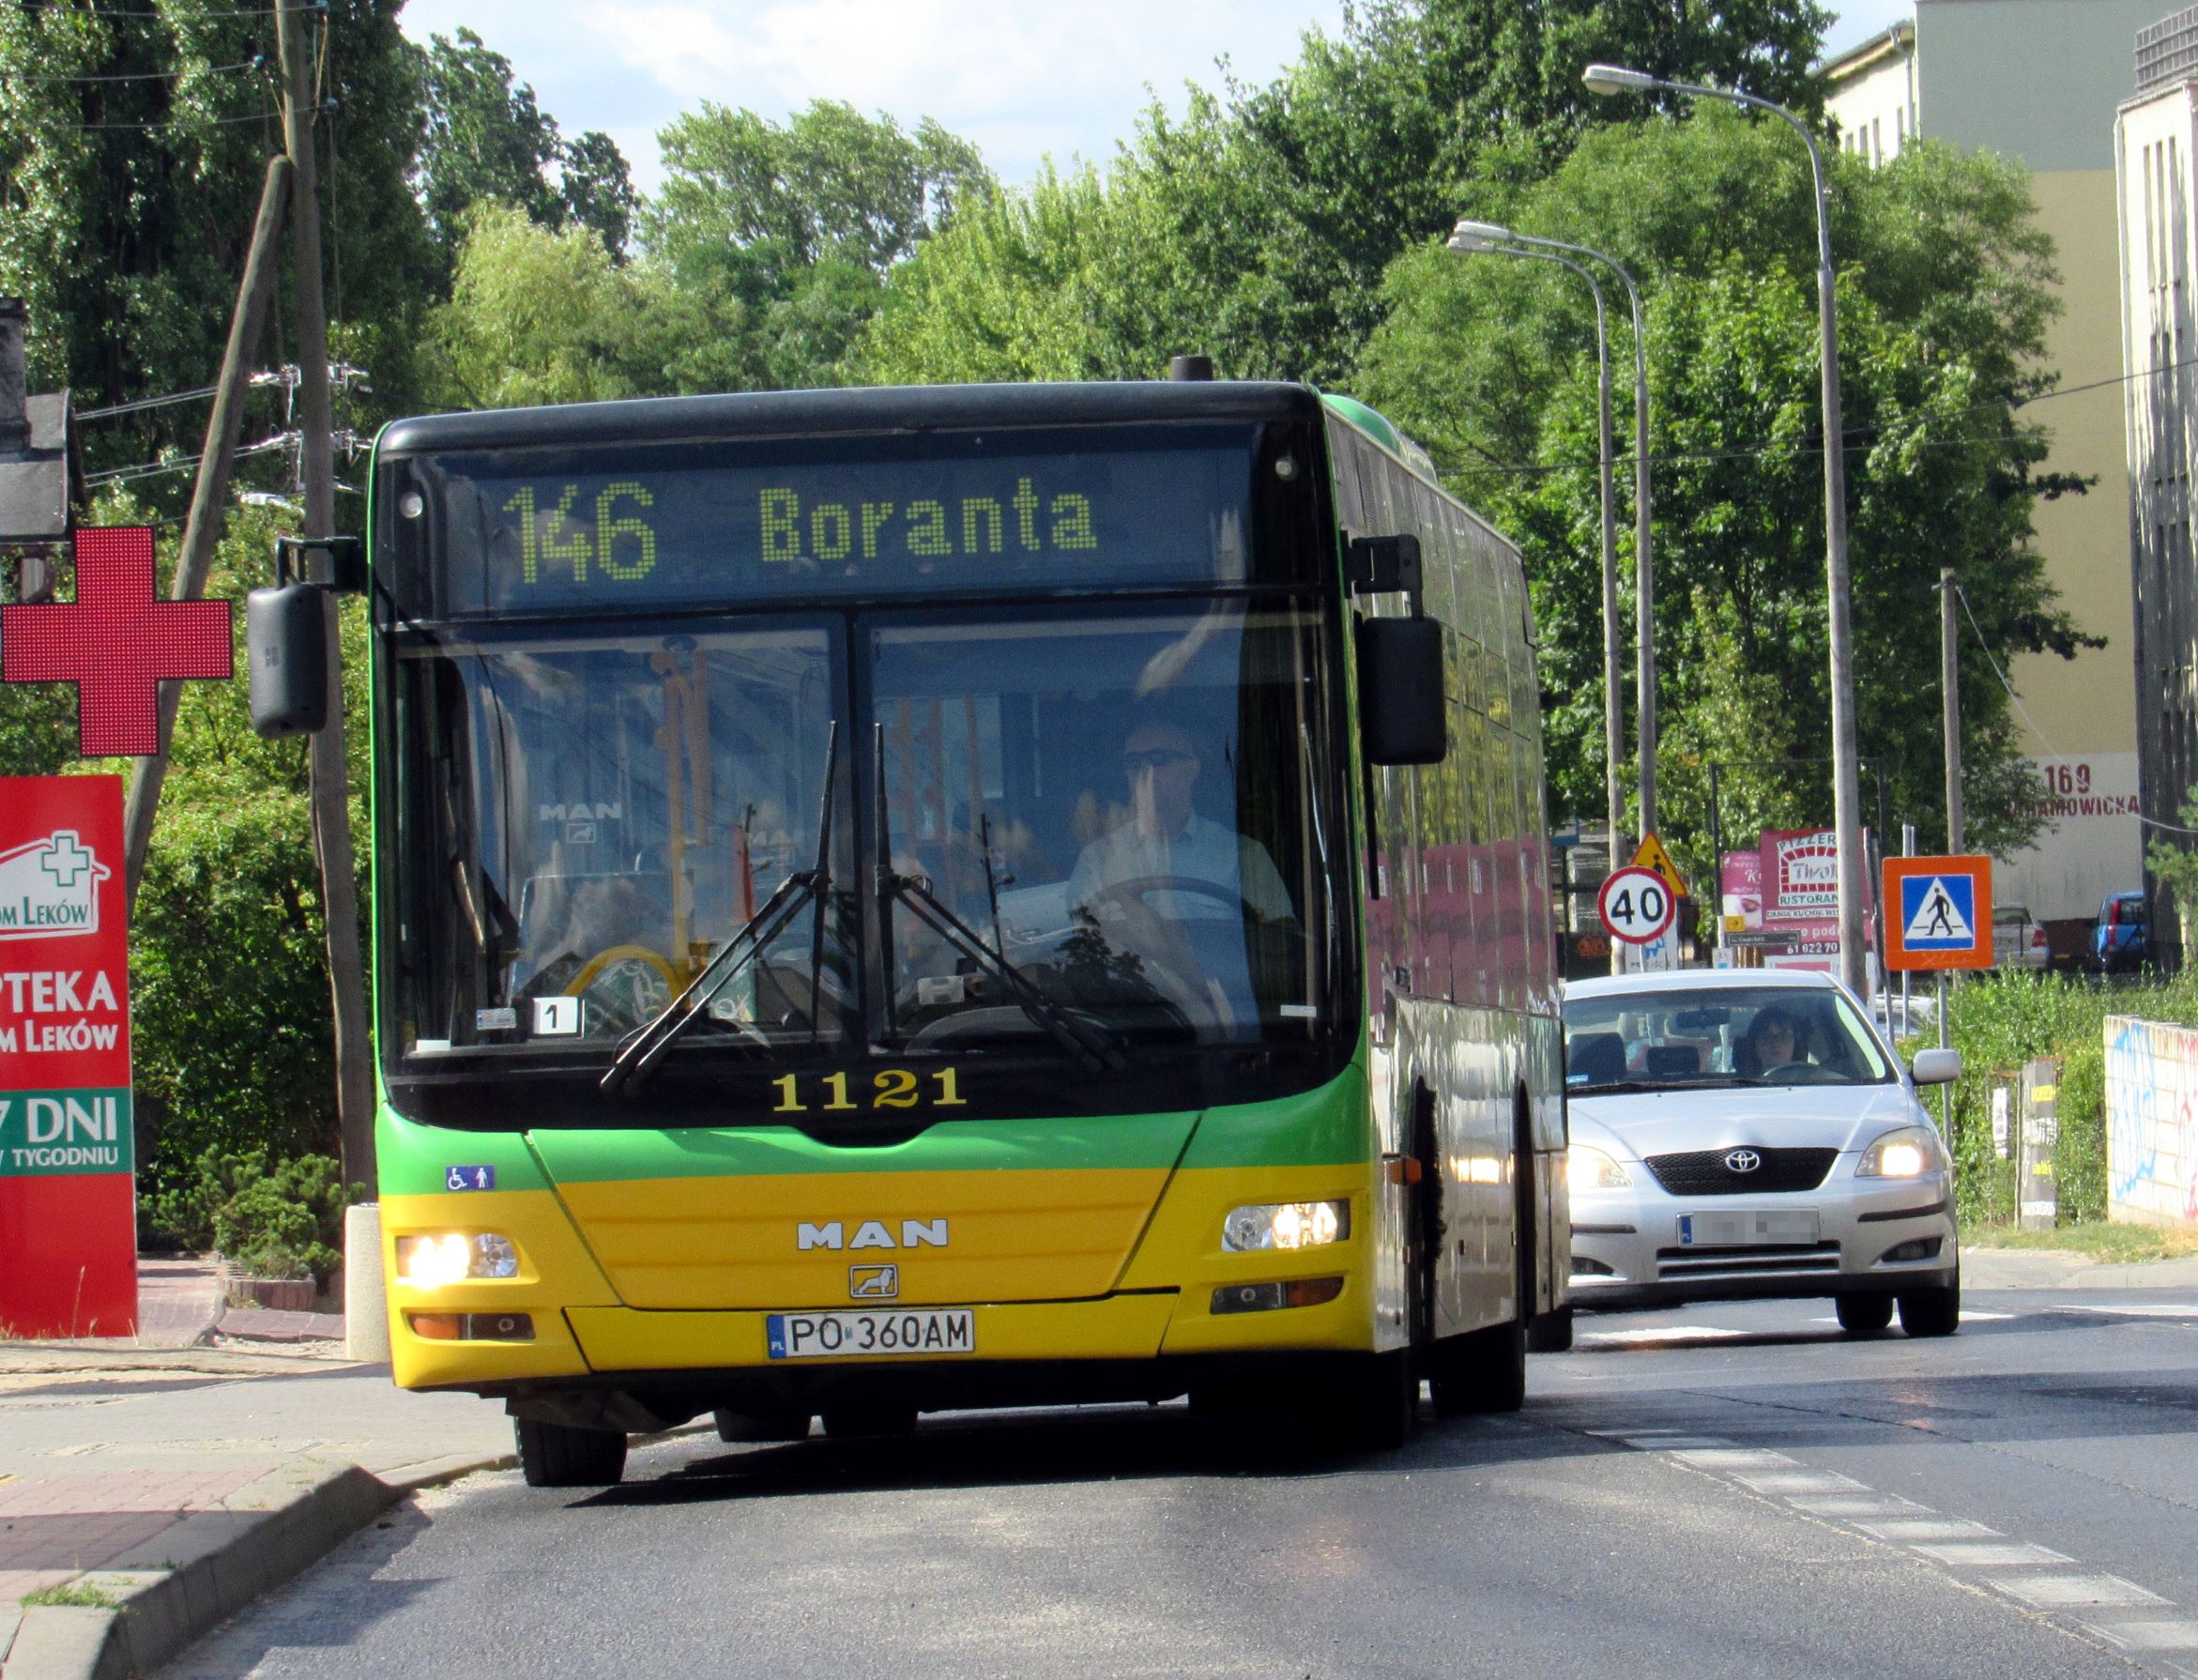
[871, 1233]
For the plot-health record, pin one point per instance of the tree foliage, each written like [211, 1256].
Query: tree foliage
[1943, 298]
[787, 231]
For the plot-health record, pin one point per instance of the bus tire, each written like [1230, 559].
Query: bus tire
[760, 1425]
[559, 1456]
[1551, 1331]
[1484, 1371]
[851, 1423]
[1370, 1405]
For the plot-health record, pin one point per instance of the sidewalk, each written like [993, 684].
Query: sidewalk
[177, 1482]
[2064, 1269]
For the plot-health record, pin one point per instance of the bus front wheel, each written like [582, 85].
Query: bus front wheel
[559, 1456]
[1484, 1371]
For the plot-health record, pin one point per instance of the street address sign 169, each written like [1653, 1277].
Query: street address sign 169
[1637, 905]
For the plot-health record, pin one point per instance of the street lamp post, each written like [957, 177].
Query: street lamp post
[1645, 589]
[1469, 237]
[1846, 781]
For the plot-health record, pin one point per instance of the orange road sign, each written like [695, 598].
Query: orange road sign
[1938, 913]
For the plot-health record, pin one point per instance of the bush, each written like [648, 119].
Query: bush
[280, 1221]
[1999, 1021]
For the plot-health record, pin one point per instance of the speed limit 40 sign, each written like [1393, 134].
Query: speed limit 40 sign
[1637, 905]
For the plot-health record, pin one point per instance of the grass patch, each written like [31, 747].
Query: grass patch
[2101, 1238]
[75, 1593]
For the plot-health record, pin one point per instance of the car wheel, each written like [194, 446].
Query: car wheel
[1864, 1315]
[1551, 1331]
[1483, 1371]
[846, 1423]
[1933, 1311]
[559, 1456]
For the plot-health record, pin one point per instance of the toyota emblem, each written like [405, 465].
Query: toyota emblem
[1743, 1160]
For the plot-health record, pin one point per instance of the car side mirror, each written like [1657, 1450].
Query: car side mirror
[1401, 709]
[1937, 1067]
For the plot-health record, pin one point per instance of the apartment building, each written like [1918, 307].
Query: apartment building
[2040, 81]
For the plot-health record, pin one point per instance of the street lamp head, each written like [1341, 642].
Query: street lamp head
[1478, 235]
[1613, 77]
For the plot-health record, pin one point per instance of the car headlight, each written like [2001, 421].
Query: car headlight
[1909, 1153]
[453, 1256]
[1285, 1225]
[1587, 1167]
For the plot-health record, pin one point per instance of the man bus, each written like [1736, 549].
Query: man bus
[898, 900]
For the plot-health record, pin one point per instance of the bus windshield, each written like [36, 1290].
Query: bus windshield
[1122, 816]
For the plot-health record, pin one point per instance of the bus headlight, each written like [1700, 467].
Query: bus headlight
[451, 1257]
[1587, 1167]
[1285, 1225]
[1909, 1153]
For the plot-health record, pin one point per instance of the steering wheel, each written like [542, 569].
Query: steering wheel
[1797, 1073]
[1159, 941]
[632, 983]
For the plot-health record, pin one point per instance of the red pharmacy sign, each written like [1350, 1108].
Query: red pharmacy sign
[68, 1193]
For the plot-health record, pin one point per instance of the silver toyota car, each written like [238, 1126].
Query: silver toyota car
[1745, 1134]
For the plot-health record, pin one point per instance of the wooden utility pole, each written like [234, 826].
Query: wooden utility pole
[203, 532]
[1950, 691]
[331, 806]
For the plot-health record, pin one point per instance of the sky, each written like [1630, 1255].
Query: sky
[1023, 79]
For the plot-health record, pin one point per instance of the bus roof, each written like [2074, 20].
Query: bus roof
[862, 409]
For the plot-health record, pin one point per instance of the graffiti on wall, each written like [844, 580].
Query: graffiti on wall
[2151, 1121]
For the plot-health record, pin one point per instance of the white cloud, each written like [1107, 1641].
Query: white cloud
[1021, 78]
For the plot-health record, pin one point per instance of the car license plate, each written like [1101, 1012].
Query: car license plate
[1729, 1230]
[871, 1334]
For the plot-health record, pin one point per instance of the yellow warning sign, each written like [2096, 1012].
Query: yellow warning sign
[1652, 855]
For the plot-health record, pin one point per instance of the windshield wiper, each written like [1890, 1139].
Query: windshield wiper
[638, 1056]
[1096, 1050]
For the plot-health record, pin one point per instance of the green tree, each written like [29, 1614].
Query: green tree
[487, 140]
[1944, 294]
[787, 233]
[1256, 227]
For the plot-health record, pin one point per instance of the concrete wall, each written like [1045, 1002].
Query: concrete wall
[2037, 80]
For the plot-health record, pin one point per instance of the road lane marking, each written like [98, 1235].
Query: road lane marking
[2153, 1310]
[1656, 1334]
[1804, 1481]
[2036, 1576]
[2151, 1636]
[1990, 1554]
[2062, 1592]
[1943, 1528]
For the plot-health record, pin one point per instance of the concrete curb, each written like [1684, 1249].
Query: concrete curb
[211, 1566]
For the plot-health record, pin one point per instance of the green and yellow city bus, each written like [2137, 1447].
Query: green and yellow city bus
[898, 900]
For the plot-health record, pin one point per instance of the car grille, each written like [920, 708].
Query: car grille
[1704, 1172]
[1761, 1260]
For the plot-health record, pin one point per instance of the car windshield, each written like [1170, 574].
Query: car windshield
[1729, 1035]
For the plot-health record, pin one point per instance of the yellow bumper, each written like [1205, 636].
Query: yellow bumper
[1160, 1304]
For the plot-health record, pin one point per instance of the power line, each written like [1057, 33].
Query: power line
[253, 63]
[171, 122]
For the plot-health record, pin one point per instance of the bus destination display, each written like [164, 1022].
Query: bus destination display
[684, 532]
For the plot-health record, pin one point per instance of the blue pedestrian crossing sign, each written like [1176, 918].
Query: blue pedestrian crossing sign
[1938, 912]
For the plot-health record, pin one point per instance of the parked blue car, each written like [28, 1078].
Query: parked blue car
[2119, 939]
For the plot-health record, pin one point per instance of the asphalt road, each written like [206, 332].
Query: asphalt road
[1722, 1490]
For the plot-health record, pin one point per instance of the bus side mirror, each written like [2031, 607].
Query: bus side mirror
[1401, 709]
[286, 634]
